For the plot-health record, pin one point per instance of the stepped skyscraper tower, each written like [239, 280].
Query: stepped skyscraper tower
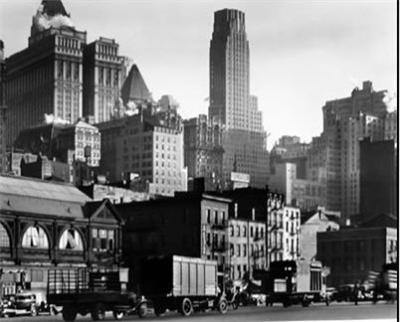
[244, 139]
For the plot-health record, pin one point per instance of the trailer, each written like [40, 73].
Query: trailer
[83, 291]
[294, 282]
[182, 284]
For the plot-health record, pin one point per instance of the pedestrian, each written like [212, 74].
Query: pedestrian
[355, 292]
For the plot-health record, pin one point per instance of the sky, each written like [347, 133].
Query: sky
[302, 52]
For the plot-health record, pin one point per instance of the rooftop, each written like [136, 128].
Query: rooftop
[29, 195]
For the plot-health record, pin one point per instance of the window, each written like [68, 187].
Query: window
[231, 229]
[216, 217]
[244, 231]
[71, 240]
[103, 240]
[244, 250]
[238, 250]
[4, 238]
[208, 216]
[35, 237]
[251, 231]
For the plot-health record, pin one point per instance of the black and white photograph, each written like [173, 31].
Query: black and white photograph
[199, 160]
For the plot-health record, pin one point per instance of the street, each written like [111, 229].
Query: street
[336, 311]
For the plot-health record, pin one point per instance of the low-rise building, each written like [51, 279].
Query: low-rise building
[247, 248]
[352, 252]
[312, 223]
[275, 204]
[190, 224]
[291, 233]
[46, 225]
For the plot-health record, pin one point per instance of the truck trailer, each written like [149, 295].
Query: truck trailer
[294, 282]
[182, 284]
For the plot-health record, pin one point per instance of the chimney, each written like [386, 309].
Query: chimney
[236, 210]
[348, 222]
[253, 214]
[1, 50]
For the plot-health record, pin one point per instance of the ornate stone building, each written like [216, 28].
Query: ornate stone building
[46, 77]
[47, 225]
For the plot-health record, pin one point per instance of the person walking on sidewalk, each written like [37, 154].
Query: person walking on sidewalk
[355, 292]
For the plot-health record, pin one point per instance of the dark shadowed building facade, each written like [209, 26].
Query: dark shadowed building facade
[378, 187]
[191, 224]
[352, 252]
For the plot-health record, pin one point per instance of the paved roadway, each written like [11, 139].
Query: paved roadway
[316, 312]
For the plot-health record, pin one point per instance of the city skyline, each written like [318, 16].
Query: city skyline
[327, 70]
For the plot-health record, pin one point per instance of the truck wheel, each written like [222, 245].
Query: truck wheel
[98, 313]
[118, 315]
[159, 309]
[186, 307]
[142, 310]
[69, 314]
[223, 306]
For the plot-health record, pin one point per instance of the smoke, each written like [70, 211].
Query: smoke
[390, 101]
[42, 21]
[50, 119]
[131, 109]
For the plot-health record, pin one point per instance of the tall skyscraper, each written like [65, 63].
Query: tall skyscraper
[101, 79]
[346, 122]
[3, 111]
[244, 140]
[46, 77]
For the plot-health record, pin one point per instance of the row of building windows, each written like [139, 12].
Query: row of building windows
[242, 232]
[241, 250]
[35, 237]
[215, 218]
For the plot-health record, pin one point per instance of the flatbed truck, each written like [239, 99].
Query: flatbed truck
[84, 291]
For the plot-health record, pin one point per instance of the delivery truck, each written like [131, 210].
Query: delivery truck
[183, 284]
[294, 282]
[89, 291]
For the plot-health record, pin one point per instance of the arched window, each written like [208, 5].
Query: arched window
[4, 238]
[71, 240]
[35, 237]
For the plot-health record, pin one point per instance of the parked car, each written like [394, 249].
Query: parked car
[331, 294]
[25, 303]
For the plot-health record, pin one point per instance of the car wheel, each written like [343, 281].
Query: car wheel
[142, 310]
[223, 306]
[98, 312]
